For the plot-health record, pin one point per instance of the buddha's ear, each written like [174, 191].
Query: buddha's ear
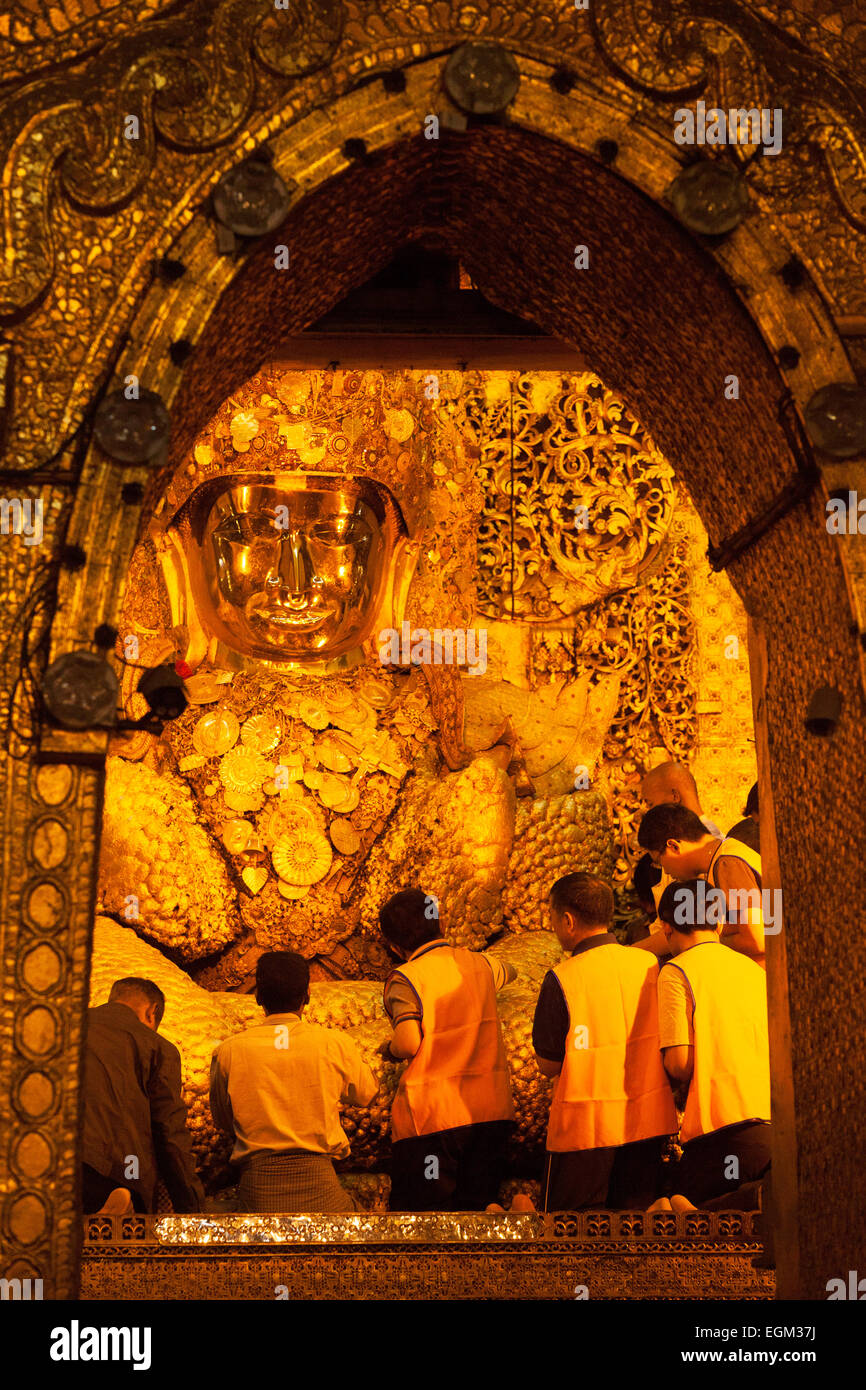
[404, 562]
[189, 635]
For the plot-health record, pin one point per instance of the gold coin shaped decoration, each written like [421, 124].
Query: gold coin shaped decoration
[313, 779]
[236, 835]
[262, 733]
[314, 454]
[289, 816]
[333, 790]
[215, 733]
[399, 424]
[350, 801]
[376, 692]
[314, 715]
[205, 688]
[344, 836]
[242, 802]
[304, 857]
[243, 769]
[334, 754]
[293, 891]
[338, 698]
[353, 716]
[255, 878]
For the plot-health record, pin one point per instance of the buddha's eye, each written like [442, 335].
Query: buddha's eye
[253, 526]
[340, 530]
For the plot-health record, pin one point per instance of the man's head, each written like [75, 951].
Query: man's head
[282, 982]
[581, 905]
[146, 999]
[410, 919]
[677, 840]
[646, 876]
[683, 915]
[670, 784]
[751, 807]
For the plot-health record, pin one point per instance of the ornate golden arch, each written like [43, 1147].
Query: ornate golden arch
[87, 310]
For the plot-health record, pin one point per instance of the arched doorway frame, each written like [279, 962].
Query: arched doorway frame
[311, 153]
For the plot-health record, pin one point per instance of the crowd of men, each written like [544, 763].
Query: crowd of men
[658, 1049]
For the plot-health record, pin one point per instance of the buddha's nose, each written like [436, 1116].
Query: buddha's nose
[295, 570]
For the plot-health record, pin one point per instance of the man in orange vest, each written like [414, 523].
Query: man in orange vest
[713, 1034]
[681, 845]
[452, 1114]
[596, 1031]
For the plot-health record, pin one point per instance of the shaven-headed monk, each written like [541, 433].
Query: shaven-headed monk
[669, 784]
[672, 784]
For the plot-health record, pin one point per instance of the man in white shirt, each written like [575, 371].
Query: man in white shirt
[278, 1086]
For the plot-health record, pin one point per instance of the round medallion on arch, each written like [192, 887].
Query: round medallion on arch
[33, 1155]
[709, 197]
[481, 78]
[836, 419]
[42, 968]
[35, 1095]
[27, 1218]
[49, 843]
[45, 905]
[132, 429]
[37, 1032]
[53, 783]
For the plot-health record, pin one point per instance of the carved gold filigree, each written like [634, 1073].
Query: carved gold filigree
[577, 498]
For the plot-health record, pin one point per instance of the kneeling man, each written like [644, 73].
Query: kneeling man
[596, 1031]
[452, 1115]
[713, 1032]
[278, 1087]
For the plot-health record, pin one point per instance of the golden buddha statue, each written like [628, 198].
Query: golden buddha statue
[307, 780]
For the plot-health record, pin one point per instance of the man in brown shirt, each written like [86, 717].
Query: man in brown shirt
[134, 1117]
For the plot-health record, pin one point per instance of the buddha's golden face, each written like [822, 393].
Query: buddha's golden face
[292, 573]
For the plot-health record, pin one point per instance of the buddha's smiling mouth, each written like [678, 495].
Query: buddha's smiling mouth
[301, 615]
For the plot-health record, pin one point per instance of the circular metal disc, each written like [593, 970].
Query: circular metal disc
[481, 78]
